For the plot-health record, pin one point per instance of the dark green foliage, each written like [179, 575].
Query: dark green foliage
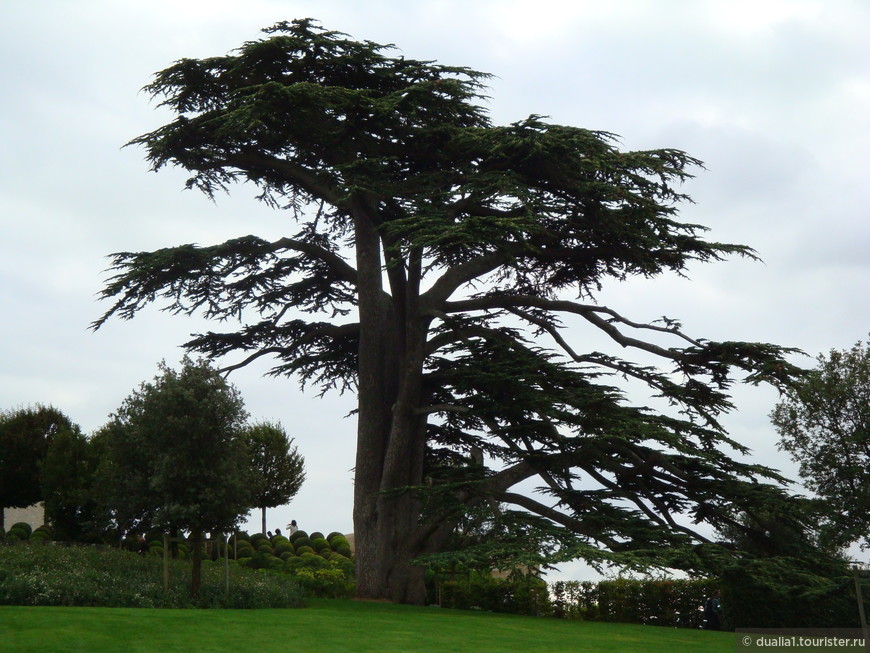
[69, 476]
[474, 245]
[675, 603]
[258, 538]
[789, 593]
[304, 540]
[525, 595]
[24, 527]
[319, 543]
[295, 536]
[317, 535]
[278, 468]
[177, 456]
[25, 436]
[90, 576]
[283, 547]
[824, 423]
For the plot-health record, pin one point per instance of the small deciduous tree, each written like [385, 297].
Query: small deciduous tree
[278, 468]
[178, 456]
[824, 424]
[25, 435]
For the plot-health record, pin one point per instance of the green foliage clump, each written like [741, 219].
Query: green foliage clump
[320, 544]
[257, 538]
[526, 595]
[302, 541]
[89, 576]
[283, 547]
[23, 526]
[783, 593]
[295, 536]
[316, 535]
[302, 550]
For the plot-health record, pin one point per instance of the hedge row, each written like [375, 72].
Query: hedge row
[677, 603]
[42, 574]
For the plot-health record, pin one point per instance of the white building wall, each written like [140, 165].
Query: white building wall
[33, 515]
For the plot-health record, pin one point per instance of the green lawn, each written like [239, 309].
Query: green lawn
[330, 626]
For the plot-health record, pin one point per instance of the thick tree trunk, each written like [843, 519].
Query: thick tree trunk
[389, 450]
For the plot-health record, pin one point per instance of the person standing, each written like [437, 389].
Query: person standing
[292, 527]
[713, 612]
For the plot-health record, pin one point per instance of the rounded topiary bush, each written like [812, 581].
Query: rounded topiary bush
[23, 526]
[40, 536]
[295, 536]
[333, 534]
[265, 547]
[319, 544]
[284, 547]
[256, 538]
[302, 541]
[336, 541]
[17, 535]
[316, 535]
[286, 555]
[302, 550]
[344, 550]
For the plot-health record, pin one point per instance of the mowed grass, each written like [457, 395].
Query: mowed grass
[330, 625]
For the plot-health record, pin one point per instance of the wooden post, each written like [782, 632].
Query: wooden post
[166, 563]
[227, 564]
[865, 629]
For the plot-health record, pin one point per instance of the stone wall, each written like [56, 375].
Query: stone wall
[33, 515]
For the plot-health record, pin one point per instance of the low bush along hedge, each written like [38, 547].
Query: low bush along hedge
[45, 574]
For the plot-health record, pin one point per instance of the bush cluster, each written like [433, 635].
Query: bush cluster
[23, 532]
[322, 565]
[51, 575]
[677, 603]
[526, 595]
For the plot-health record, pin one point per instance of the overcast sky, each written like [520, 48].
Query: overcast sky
[773, 95]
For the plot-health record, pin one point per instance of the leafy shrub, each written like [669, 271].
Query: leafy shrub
[332, 535]
[317, 535]
[302, 541]
[23, 526]
[283, 547]
[338, 541]
[40, 574]
[302, 550]
[295, 536]
[319, 544]
[257, 539]
[16, 534]
[526, 595]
